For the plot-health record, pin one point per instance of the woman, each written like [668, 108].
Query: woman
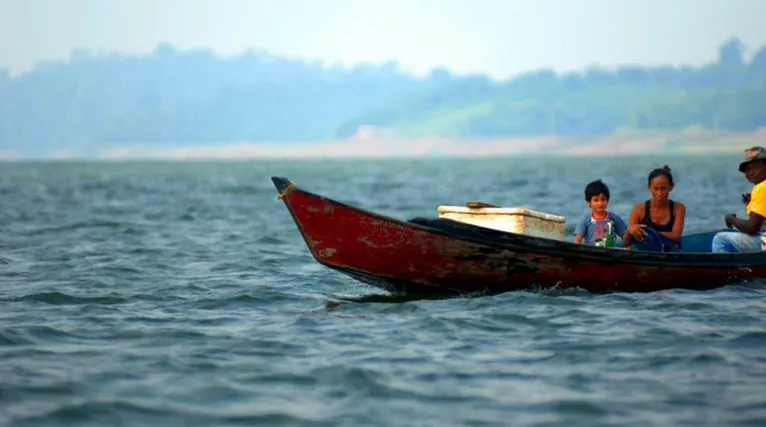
[657, 224]
[749, 234]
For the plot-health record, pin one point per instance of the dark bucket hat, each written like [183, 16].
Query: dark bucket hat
[752, 154]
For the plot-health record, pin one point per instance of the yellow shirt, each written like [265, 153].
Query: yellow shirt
[758, 205]
[758, 200]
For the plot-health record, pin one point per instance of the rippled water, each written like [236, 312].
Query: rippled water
[182, 294]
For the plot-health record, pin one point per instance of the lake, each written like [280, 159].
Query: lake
[181, 294]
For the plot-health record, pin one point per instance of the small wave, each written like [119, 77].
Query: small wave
[265, 297]
[516, 320]
[98, 413]
[145, 251]
[77, 226]
[756, 339]
[270, 240]
[14, 274]
[120, 269]
[8, 338]
[35, 335]
[245, 190]
[360, 379]
[672, 360]
[60, 298]
[696, 306]
[276, 378]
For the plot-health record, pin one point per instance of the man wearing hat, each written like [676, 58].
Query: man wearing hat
[748, 234]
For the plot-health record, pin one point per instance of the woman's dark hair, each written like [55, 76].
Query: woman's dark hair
[595, 188]
[665, 170]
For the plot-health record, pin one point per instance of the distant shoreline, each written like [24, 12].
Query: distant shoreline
[690, 141]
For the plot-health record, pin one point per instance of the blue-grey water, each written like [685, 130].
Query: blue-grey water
[181, 294]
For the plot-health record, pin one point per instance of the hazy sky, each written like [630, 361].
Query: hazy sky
[500, 37]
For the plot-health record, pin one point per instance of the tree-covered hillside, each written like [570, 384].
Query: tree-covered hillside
[729, 94]
[173, 98]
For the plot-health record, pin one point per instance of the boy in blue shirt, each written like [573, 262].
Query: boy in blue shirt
[592, 227]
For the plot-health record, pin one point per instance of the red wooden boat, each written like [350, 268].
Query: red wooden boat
[442, 256]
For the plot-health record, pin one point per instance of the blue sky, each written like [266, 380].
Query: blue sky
[498, 37]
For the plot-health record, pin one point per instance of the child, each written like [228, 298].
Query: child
[592, 226]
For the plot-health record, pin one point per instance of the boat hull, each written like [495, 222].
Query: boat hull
[437, 256]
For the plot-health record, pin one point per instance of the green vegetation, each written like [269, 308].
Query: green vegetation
[172, 98]
[727, 95]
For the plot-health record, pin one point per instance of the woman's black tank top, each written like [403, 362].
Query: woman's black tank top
[665, 227]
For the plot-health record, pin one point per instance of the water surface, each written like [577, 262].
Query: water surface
[166, 293]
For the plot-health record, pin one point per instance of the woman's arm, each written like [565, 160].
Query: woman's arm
[635, 228]
[678, 226]
[635, 215]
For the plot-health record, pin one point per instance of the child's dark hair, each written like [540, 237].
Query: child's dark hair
[665, 170]
[595, 188]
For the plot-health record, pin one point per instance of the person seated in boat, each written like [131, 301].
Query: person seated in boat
[747, 234]
[592, 227]
[657, 224]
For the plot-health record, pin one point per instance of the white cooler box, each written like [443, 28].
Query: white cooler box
[515, 220]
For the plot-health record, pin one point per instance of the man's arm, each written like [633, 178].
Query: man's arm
[751, 225]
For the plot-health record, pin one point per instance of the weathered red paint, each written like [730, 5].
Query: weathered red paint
[405, 257]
